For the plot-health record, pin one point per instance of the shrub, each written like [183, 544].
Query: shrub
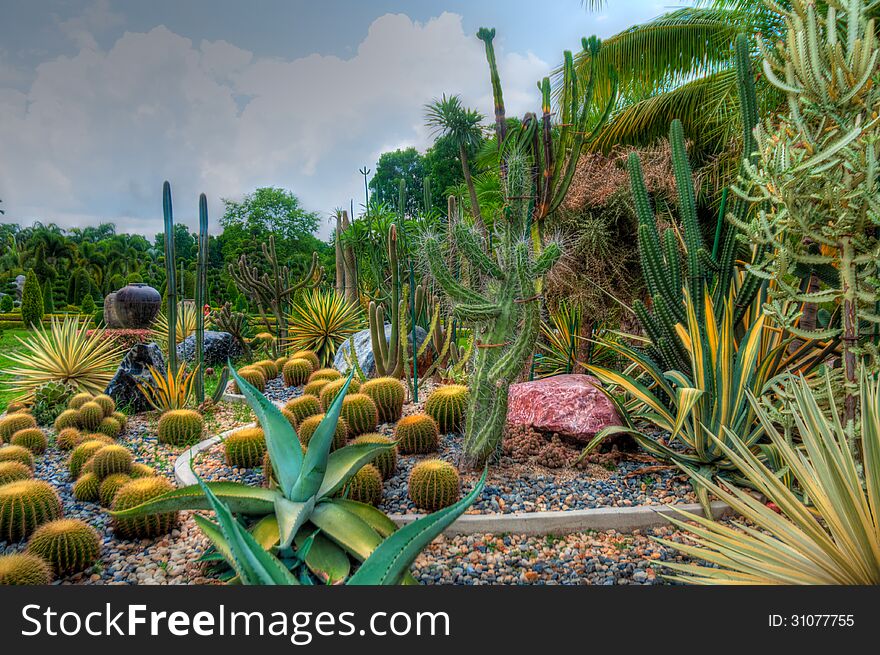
[90, 416]
[296, 372]
[111, 459]
[325, 374]
[34, 439]
[245, 448]
[416, 434]
[110, 486]
[447, 405]
[69, 545]
[25, 505]
[302, 407]
[332, 389]
[388, 394]
[309, 356]
[85, 489]
[108, 405]
[88, 305]
[31, 302]
[385, 462]
[82, 454]
[12, 471]
[68, 419]
[309, 425]
[433, 484]
[12, 423]
[68, 438]
[360, 413]
[181, 427]
[17, 454]
[134, 493]
[79, 400]
[252, 375]
[6, 304]
[365, 486]
[110, 426]
[314, 387]
[24, 568]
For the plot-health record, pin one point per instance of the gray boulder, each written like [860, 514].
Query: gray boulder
[363, 347]
[134, 370]
[219, 346]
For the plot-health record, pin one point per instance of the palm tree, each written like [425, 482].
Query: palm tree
[448, 117]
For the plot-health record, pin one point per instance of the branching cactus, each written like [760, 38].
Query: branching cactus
[503, 308]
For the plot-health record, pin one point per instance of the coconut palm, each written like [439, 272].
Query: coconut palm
[449, 117]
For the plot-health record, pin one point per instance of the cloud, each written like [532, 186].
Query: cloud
[97, 18]
[96, 133]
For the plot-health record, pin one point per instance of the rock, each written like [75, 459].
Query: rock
[134, 369]
[219, 346]
[363, 346]
[569, 405]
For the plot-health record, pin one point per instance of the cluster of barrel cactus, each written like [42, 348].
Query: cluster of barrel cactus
[181, 427]
[92, 414]
[254, 376]
[330, 390]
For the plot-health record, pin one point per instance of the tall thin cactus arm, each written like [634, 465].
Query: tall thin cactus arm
[486, 36]
[389, 354]
[201, 289]
[170, 276]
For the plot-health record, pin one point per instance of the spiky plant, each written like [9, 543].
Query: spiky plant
[141, 470]
[385, 462]
[34, 439]
[121, 418]
[90, 416]
[12, 471]
[111, 459]
[302, 407]
[82, 454]
[50, 399]
[181, 427]
[79, 399]
[12, 423]
[86, 488]
[186, 325]
[109, 487]
[321, 321]
[417, 434]
[328, 374]
[365, 486]
[24, 506]
[309, 426]
[68, 419]
[17, 454]
[360, 413]
[145, 526]
[68, 438]
[296, 372]
[254, 376]
[108, 405]
[268, 367]
[447, 405]
[309, 356]
[330, 390]
[65, 352]
[388, 394]
[245, 448]
[24, 569]
[169, 389]
[69, 545]
[433, 484]
[314, 388]
[110, 426]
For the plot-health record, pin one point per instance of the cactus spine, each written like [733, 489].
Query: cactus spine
[25, 505]
[447, 406]
[388, 394]
[12, 471]
[417, 434]
[69, 545]
[24, 569]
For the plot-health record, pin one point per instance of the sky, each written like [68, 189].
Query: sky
[100, 100]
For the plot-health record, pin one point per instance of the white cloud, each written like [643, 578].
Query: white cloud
[97, 133]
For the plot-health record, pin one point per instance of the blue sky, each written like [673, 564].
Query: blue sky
[101, 101]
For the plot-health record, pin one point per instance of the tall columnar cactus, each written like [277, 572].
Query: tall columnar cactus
[389, 355]
[201, 293]
[170, 276]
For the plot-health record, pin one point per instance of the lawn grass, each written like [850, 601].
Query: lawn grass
[8, 346]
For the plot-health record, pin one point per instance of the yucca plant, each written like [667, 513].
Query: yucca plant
[171, 389]
[320, 321]
[65, 352]
[561, 341]
[186, 325]
[833, 539]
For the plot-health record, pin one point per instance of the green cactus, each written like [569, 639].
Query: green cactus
[360, 413]
[50, 400]
[201, 299]
[417, 434]
[328, 374]
[108, 405]
[296, 372]
[388, 394]
[140, 470]
[385, 462]
[111, 459]
[17, 454]
[302, 407]
[79, 400]
[330, 390]
[310, 356]
[12, 423]
[90, 416]
[365, 486]
[68, 438]
[268, 472]
[314, 387]
[69, 418]
[252, 375]
[433, 484]
[34, 439]
[171, 299]
[389, 355]
[110, 426]
[245, 448]
[110, 486]
[447, 405]
[307, 428]
[12, 471]
[181, 427]
[68, 545]
[145, 526]
[16, 407]
[121, 418]
[86, 488]
[24, 569]
[24, 506]
[268, 367]
[82, 454]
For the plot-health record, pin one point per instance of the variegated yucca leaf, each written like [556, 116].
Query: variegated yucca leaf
[171, 389]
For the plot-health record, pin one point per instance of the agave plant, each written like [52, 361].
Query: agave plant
[171, 389]
[65, 352]
[322, 320]
[301, 516]
[834, 539]
[186, 324]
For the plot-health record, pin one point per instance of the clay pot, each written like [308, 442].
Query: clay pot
[137, 305]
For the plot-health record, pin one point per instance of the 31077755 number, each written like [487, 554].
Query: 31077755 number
[811, 621]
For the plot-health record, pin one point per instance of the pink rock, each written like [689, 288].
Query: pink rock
[571, 405]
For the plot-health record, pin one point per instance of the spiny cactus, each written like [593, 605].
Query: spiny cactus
[24, 569]
[310, 356]
[140, 470]
[110, 426]
[121, 418]
[90, 416]
[82, 454]
[302, 407]
[12, 423]
[145, 526]
[360, 413]
[325, 374]
[69, 418]
[417, 434]
[111, 459]
[281, 361]
[385, 462]
[268, 367]
[34, 439]
[68, 438]
[332, 389]
[108, 405]
[86, 487]
[25, 505]
[245, 448]
[252, 375]
[98, 436]
[447, 405]
[296, 372]
[308, 426]
[16, 407]
[433, 485]
[388, 394]
[314, 387]
[68, 545]
[365, 486]
[12, 471]
[79, 400]
[110, 486]
[17, 454]
[181, 427]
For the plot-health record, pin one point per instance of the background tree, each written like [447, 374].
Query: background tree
[407, 165]
[31, 301]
